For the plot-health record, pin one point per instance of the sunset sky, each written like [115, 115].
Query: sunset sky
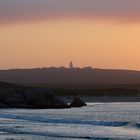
[44, 33]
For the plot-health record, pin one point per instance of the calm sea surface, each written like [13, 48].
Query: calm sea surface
[97, 121]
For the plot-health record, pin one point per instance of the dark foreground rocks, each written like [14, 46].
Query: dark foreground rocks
[43, 98]
[12, 96]
[77, 102]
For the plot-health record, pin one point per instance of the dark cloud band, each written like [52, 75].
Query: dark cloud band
[24, 10]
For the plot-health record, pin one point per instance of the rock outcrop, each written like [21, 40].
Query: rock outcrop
[12, 96]
[77, 102]
[43, 98]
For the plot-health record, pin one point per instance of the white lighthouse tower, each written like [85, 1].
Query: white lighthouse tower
[71, 65]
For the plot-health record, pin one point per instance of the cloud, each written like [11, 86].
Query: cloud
[25, 10]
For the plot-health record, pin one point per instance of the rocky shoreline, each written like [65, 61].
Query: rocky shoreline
[13, 96]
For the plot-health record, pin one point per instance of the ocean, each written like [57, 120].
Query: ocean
[96, 121]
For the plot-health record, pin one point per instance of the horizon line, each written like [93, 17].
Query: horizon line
[66, 67]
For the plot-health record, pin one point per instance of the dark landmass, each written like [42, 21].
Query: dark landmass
[94, 85]
[116, 92]
[65, 77]
[100, 95]
[14, 96]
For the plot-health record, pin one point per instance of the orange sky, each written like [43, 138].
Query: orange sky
[95, 42]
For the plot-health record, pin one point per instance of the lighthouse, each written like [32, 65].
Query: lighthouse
[71, 65]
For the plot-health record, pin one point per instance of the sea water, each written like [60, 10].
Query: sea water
[97, 121]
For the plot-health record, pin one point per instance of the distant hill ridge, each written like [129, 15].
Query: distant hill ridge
[85, 76]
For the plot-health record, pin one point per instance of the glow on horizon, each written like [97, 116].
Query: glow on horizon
[98, 43]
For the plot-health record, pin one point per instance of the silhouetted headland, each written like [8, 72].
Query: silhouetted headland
[62, 76]
[90, 84]
[15, 96]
